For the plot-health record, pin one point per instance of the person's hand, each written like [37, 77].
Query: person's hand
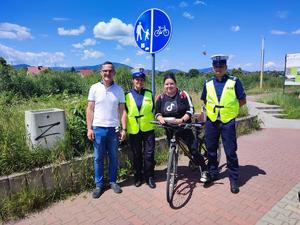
[179, 121]
[161, 120]
[122, 135]
[90, 134]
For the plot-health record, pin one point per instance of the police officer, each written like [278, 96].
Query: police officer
[139, 106]
[223, 95]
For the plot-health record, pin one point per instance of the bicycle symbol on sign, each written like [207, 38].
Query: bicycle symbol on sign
[161, 30]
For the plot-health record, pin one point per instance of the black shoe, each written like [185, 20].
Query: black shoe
[137, 183]
[116, 188]
[234, 188]
[211, 179]
[151, 182]
[97, 192]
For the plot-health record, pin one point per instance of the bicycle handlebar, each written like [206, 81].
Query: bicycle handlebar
[182, 125]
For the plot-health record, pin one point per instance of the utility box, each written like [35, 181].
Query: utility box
[44, 127]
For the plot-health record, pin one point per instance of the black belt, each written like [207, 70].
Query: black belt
[137, 117]
[218, 106]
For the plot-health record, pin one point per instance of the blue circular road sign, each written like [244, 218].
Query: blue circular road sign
[152, 30]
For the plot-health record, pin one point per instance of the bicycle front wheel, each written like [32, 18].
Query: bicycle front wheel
[171, 172]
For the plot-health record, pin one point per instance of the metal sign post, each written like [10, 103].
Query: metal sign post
[152, 33]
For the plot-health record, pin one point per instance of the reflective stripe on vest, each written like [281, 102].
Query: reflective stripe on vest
[139, 120]
[228, 105]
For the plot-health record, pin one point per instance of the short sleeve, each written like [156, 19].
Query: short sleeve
[121, 96]
[239, 90]
[158, 105]
[91, 96]
[203, 95]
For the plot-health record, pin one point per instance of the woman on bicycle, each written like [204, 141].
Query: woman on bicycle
[178, 104]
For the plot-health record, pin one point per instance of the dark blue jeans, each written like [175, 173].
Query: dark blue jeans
[106, 141]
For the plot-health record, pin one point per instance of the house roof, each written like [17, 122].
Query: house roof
[85, 72]
[35, 70]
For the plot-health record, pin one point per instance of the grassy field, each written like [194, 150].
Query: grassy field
[289, 102]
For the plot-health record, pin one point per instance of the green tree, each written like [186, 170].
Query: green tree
[73, 69]
[237, 72]
[193, 72]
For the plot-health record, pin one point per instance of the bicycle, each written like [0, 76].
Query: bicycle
[173, 152]
[161, 30]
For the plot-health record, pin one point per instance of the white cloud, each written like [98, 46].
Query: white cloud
[115, 29]
[296, 31]
[235, 28]
[86, 42]
[127, 41]
[14, 31]
[274, 66]
[197, 2]
[139, 65]
[278, 32]
[60, 19]
[32, 58]
[126, 61]
[118, 47]
[230, 58]
[91, 54]
[72, 32]
[164, 65]
[246, 65]
[183, 4]
[188, 15]
[89, 42]
[77, 45]
[270, 65]
[140, 52]
[282, 14]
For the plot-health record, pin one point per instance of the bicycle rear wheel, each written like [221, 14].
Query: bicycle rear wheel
[171, 172]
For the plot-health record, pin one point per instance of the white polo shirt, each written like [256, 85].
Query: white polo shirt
[107, 100]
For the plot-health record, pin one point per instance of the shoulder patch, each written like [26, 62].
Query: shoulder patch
[232, 78]
[210, 79]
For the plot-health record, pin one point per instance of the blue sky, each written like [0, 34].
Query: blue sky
[76, 33]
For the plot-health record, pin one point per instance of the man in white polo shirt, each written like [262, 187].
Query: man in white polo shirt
[106, 105]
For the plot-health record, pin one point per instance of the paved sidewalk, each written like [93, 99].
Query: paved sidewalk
[286, 211]
[269, 169]
[269, 121]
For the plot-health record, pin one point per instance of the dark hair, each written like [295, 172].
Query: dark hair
[170, 76]
[108, 63]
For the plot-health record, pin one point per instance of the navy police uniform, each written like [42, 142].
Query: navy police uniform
[226, 130]
[141, 136]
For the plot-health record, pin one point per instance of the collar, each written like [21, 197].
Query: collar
[138, 92]
[109, 85]
[224, 79]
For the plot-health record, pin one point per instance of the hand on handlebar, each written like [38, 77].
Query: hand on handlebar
[178, 121]
[161, 120]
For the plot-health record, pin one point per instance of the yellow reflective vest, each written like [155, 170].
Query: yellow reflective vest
[139, 120]
[228, 107]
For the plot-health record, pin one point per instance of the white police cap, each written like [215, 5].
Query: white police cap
[219, 59]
